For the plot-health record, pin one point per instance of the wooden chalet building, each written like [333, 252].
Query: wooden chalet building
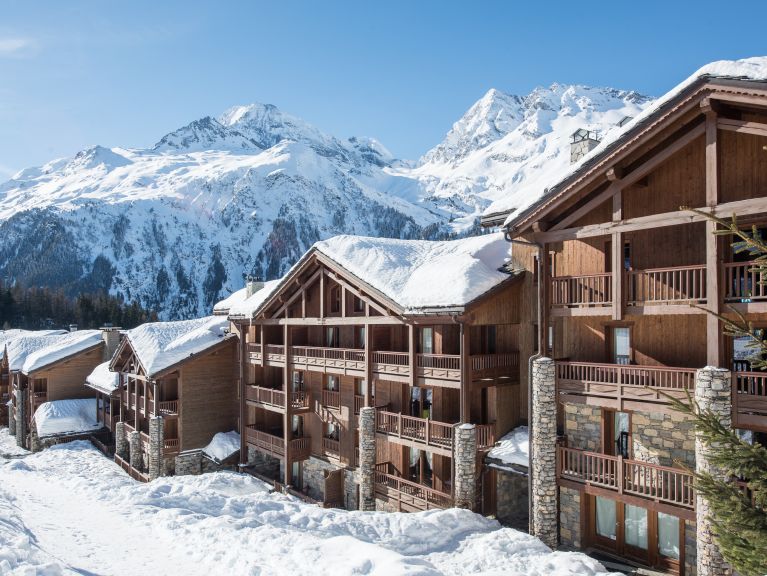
[49, 366]
[176, 389]
[422, 335]
[626, 281]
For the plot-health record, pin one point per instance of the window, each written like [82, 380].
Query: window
[332, 382]
[617, 433]
[668, 536]
[298, 380]
[360, 336]
[427, 340]
[297, 426]
[331, 337]
[335, 299]
[606, 521]
[331, 431]
[359, 304]
[359, 386]
[635, 526]
[621, 344]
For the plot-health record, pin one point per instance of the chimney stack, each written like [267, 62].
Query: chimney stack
[253, 284]
[73, 327]
[582, 142]
[111, 337]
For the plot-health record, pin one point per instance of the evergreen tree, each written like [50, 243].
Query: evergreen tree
[737, 504]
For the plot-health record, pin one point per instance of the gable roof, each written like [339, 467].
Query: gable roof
[162, 345]
[237, 297]
[102, 379]
[36, 350]
[414, 276]
[722, 72]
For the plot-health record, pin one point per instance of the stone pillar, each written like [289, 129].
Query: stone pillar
[121, 441]
[134, 442]
[465, 462]
[544, 444]
[21, 420]
[712, 392]
[156, 443]
[34, 439]
[367, 429]
[11, 422]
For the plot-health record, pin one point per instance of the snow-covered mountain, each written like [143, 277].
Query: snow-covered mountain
[178, 224]
[506, 149]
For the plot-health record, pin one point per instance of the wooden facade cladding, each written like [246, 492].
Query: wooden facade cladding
[326, 345]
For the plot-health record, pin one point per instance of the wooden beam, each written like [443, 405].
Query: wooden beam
[243, 382]
[343, 300]
[322, 292]
[634, 176]
[411, 353]
[544, 301]
[296, 295]
[359, 293]
[368, 365]
[614, 173]
[756, 128]
[465, 412]
[286, 417]
[713, 328]
[738, 207]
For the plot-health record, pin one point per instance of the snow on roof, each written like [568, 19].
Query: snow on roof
[22, 345]
[513, 448]
[8, 335]
[418, 274]
[66, 417]
[160, 345]
[102, 379]
[60, 347]
[247, 307]
[225, 305]
[746, 69]
[223, 445]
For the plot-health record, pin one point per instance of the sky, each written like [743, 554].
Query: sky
[78, 73]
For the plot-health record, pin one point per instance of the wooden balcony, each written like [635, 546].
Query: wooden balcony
[338, 360]
[418, 432]
[331, 399]
[749, 400]
[359, 402]
[331, 447]
[274, 398]
[585, 291]
[622, 387]
[273, 354]
[601, 473]
[742, 283]
[168, 407]
[275, 445]
[407, 495]
[667, 286]
[171, 446]
[485, 436]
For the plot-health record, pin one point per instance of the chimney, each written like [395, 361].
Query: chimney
[73, 327]
[253, 284]
[582, 142]
[111, 337]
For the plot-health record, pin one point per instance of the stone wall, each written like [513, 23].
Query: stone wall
[264, 464]
[544, 452]
[21, 421]
[189, 463]
[569, 518]
[465, 457]
[690, 549]
[511, 499]
[663, 438]
[366, 472]
[583, 427]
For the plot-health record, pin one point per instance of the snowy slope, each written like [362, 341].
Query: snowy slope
[176, 225]
[69, 510]
[498, 154]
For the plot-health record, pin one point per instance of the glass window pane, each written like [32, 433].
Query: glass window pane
[635, 526]
[427, 341]
[606, 518]
[668, 535]
[622, 345]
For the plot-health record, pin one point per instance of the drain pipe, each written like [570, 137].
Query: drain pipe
[539, 312]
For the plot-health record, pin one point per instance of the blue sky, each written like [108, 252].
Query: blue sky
[78, 73]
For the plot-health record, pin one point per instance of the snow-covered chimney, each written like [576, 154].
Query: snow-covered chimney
[582, 142]
[253, 284]
[111, 337]
[73, 327]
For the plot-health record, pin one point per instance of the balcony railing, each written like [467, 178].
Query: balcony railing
[168, 407]
[743, 282]
[171, 445]
[644, 479]
[412, 495]
[485, 436]
[299, 399]
[359, 402]
[331, 447]
[584, 290]
[620, 383]
[749, 400]
[331, 399]
[275, 445]
[326, 356]
[675, 285]
[418, 430]
[262, 395]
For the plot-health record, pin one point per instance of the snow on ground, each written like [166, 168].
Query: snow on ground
[68, 510]
[223, 445]
[513, 448]
[66, 417]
